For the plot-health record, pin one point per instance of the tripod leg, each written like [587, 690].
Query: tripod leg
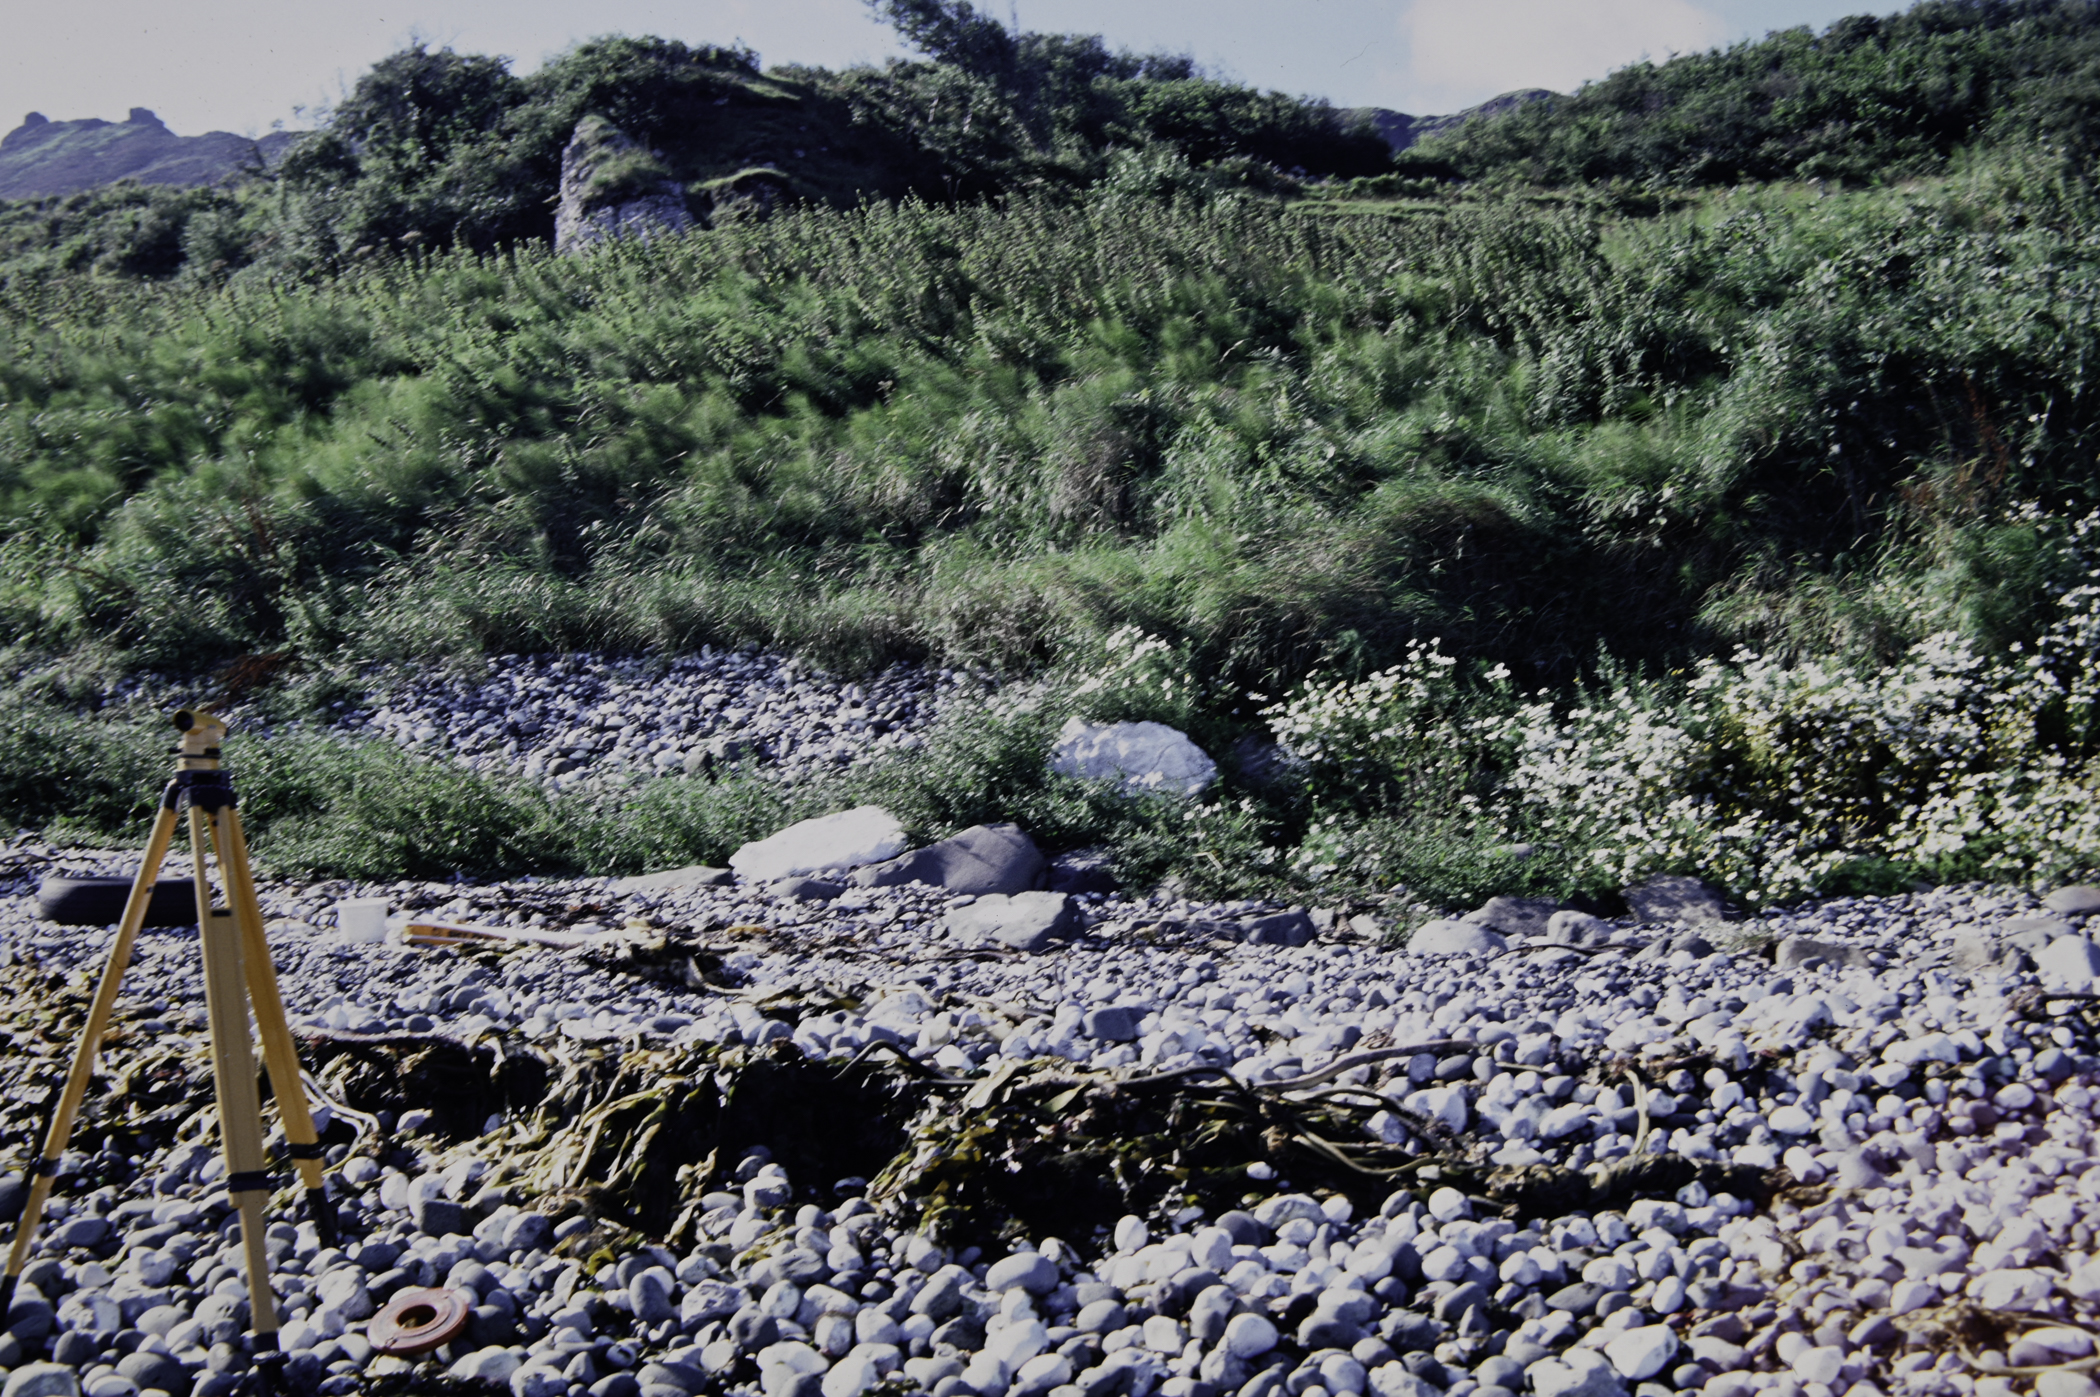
[240, 1102]
[105, 1002]
[302, 1141]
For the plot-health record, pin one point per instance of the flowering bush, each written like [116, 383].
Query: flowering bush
[1773, 779]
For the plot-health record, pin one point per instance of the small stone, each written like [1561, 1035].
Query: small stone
[42, 1380]
[1578, 1373]
[649, 1295]
[942, 1296]
[491, 1365]
[1027, 1270]
[1112, 1023]
[1819, 1363]
[1791, 1120]
[1394, 1380]
[2011, 1289]
[527, 1232]
[1642, 1352]
[710, 1299]
[1250, 1336]
[440, 1217]
[81, 1232]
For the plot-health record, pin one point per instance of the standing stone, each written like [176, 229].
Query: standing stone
[613, 187]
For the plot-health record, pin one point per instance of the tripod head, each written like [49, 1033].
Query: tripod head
[202, 732]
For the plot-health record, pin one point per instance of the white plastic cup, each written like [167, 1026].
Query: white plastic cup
[362, 920]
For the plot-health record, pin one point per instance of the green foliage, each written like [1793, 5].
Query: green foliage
[1274, 440]
[1866, 101]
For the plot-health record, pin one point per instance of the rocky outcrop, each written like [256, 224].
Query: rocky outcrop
[612, 186]
[42, 158]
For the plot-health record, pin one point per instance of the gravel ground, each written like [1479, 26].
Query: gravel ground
[1889, 1054]
[578, 718]
[1834, 1150]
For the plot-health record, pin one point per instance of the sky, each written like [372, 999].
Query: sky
[250, 65]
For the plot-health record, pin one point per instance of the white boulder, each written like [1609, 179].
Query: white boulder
[1145, 757]
[864, 834]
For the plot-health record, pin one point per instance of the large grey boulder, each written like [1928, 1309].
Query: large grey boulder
[1147, 758]
[1448, 936]
[1668, 897]
[982, 859]
[1027, 921]
[1515, 916]
[614, 187]
[2079, 897]
[2069, 958]
[1573, 928]
[865, 834]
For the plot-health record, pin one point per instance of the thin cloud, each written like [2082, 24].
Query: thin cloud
[1465, 51]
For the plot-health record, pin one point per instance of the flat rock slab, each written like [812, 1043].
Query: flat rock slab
[864, 834]
[1025, 921]
[982, 859]
[671, 879]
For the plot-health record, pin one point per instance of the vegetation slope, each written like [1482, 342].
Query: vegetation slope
[1182, 397]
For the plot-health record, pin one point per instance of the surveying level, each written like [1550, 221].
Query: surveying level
[238, 975]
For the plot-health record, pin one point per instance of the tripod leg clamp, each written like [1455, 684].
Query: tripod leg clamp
[321, 1212]
[269, 1366]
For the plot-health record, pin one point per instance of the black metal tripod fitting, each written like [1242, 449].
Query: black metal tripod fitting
[205, 790]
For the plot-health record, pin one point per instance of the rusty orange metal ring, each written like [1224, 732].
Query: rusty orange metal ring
[418, 1320]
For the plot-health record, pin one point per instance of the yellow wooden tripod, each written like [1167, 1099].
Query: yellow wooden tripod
[238, 975]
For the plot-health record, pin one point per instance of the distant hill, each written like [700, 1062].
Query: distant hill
[41, 157]
[1401, 130]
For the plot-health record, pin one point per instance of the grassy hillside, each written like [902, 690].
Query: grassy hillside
[1477, 493]
[1867, 100]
